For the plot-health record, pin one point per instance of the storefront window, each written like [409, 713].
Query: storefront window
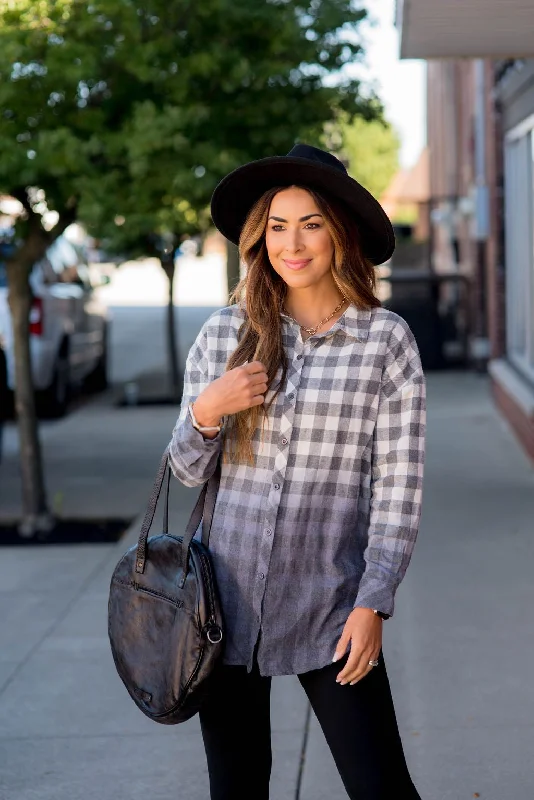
[519, 223]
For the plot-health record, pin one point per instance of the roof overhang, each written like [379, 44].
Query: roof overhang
[466, 28]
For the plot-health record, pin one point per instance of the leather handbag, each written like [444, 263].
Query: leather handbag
[165, 623]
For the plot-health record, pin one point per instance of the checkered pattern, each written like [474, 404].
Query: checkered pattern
[327, 519]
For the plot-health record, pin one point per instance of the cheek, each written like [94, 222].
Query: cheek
[274, 247]
[323, 245]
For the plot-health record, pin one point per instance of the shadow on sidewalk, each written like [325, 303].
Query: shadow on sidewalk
[67, 531]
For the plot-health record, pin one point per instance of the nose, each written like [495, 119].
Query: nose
[293, 241]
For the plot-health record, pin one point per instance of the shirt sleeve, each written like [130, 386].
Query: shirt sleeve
[397, 472]
[192, 457]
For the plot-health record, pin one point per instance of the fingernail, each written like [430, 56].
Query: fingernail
[336, 658]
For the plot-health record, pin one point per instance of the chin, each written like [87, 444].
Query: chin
[297, 282]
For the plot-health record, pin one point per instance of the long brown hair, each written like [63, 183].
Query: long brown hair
[262, 292]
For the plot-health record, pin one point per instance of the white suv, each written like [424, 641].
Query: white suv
[69, 329]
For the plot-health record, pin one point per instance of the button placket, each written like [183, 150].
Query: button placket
[265, 551]
[286, 427]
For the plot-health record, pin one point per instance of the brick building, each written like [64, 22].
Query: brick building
[480, 112]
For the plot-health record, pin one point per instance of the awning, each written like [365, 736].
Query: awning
[466, 28]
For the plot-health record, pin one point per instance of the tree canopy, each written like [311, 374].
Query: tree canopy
[126, 114]
[371, 148]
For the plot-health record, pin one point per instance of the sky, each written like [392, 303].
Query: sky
[399, 83]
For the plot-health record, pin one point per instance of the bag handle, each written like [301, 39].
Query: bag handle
[203, 510]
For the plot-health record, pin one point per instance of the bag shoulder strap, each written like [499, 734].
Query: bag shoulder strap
[203, 510]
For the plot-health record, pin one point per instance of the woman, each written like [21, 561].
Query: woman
[314, 397]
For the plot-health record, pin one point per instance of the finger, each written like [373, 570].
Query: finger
[254, 366]
[349, 669]
[356, 666]
[362, 673]
[354, 679]
[363, 668]
[342, 644]
[258, 377]
[259, 388]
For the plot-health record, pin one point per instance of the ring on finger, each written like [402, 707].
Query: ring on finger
[373, 663]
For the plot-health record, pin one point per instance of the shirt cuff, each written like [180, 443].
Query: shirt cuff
[374, 593]
[192, 457]
[189, 435]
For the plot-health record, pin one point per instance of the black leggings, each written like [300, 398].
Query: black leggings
[358, 722]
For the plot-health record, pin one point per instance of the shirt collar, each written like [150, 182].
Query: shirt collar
[353, 322]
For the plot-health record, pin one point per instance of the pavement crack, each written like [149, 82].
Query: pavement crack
[302, 759]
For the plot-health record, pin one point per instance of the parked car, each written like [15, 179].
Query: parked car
[69, 330]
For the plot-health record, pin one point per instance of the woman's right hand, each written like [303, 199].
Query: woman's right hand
[238, 389]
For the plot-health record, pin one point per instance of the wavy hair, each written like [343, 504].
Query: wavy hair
[261, 294]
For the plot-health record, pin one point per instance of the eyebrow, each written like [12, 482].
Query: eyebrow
[302, 219]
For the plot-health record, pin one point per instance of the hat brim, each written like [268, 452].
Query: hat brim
[239, 190]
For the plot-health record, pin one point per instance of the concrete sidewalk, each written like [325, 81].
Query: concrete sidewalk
[68, 730]
[460, 648]
[459, 651]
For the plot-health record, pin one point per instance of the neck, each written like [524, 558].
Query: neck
[311, 304]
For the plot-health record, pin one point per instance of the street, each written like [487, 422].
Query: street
[459, 650]
[136, 297]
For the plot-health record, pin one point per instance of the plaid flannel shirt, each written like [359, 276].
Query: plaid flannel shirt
[327, 519]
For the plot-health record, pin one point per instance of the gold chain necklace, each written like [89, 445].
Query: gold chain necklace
[312, 331]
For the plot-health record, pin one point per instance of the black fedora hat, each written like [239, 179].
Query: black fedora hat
[304, 166]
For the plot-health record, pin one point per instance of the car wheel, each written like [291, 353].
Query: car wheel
[53, 402]
[6, 395]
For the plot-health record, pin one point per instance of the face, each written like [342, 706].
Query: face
[299, 244]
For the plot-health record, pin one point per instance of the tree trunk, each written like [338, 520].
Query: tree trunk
[232, 266]
[175, 378]
[35, 514]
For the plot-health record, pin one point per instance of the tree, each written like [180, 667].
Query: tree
[126, 114]
[371, 148]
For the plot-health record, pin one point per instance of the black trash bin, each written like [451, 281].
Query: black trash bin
[435, 307]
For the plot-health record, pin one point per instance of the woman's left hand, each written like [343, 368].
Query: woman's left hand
[363, 631]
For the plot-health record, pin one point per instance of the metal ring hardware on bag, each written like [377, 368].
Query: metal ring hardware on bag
[214, 634]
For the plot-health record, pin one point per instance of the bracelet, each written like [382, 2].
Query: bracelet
[202, 428]
[380, 614]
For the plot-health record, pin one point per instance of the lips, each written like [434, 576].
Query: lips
[296, 264]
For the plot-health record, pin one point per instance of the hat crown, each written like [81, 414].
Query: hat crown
[315, 154]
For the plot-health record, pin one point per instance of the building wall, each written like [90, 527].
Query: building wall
[449, 104]
[458, 243]
[498, 259]
[512, 367]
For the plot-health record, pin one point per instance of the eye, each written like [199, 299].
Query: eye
[313, 225]
[277, 227]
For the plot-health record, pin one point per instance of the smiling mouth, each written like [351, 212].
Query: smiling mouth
[297, 264]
